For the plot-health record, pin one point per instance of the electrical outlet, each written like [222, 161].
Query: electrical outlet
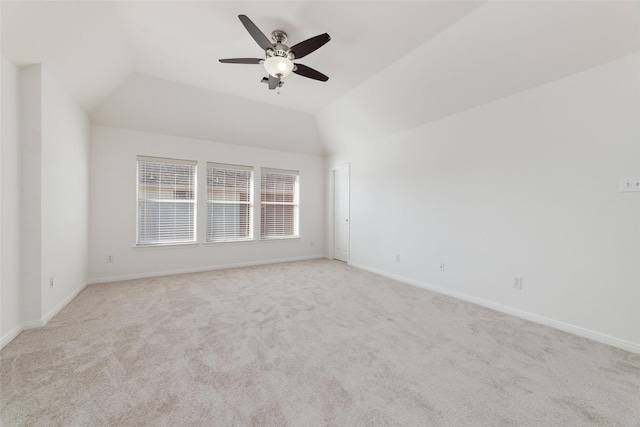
[50, 282]
[110, 259]
[397, 257]
[517, 282]
[441, 267]
[630, 184]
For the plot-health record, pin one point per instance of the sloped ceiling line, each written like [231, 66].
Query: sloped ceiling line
[398, 64]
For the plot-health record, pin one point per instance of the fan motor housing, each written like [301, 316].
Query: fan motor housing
[280, 50]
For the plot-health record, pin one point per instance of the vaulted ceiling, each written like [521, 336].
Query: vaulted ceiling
[92, 46]
[110, 55]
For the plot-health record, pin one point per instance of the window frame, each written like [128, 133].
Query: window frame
[295, 203]
[144, 202]
[249, 203]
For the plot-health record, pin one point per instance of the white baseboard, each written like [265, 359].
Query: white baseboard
[62, 304]
[38, 323]
[566, 327]
[10, 336]
[32, 324]
[146, 275]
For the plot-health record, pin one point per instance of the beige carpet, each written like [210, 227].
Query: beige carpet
[305, 344]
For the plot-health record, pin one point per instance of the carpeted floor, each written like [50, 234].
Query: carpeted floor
[305, 344]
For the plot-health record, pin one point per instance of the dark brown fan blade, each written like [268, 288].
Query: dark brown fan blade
[255, 32]
[241, 61]
[305, 71]
[304, 48]
[273, 82]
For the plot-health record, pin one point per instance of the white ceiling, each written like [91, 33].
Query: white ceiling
[92, 46]
[454, 54]
[500, 49]
[156, 105]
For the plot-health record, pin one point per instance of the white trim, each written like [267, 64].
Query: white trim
[347, 165]
[332, 207]
[237, 185]
[33, 324]
[278, 238]
[62, 304]
[10, 336]
[264, 172]
[229, 166]
[166, 245]
[280, 171]
[566, 327]
[110, 279]
[142, 197]
[39, 323]
[226, 242]
[152, 159]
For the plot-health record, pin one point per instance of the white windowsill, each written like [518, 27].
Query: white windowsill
[233, 242]
[167, 245]
[280, 239]
[210, 244]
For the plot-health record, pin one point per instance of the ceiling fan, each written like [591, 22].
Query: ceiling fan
[279, 57]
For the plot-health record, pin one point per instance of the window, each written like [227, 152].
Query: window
[166, 201]
[229, 203]
[279, 204]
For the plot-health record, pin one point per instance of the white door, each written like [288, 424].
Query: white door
[341, 213]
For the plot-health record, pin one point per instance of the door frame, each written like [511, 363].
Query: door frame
[346, 166]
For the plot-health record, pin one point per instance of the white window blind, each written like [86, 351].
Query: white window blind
[229, 203]
[166, 201]
[279, 204]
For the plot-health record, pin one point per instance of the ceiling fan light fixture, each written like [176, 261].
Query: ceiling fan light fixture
[278, 66]
[279, 57]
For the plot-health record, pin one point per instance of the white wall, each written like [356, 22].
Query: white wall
[65, 196]
[113, 206]
[495, 51]
[150, 104]
[10, 202]
[523, 186]
[45, 213]
[31, 194]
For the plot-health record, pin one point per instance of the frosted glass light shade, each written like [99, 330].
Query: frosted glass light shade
[278, 65]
